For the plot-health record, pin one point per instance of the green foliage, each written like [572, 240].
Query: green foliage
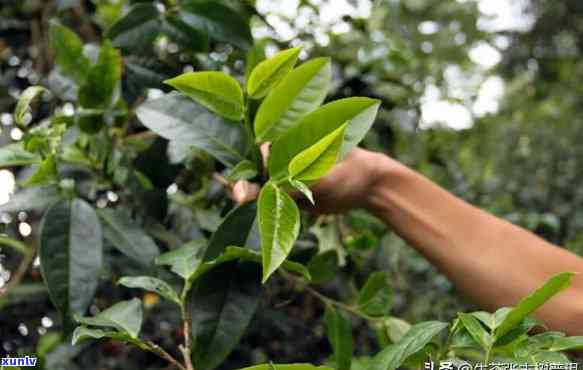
[279, 224]
[217, 91]
[71, 255]
[132, 184]
[301, 91]
[339, 332]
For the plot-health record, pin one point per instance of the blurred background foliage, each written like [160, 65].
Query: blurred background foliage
[484, 97]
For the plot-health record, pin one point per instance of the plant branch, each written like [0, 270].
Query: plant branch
[160, 352]
[14, 244]
[186, 325]
[324, 299]
[20, 272]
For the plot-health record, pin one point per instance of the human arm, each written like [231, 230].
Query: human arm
[491, 261]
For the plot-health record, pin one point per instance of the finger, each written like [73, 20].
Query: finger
[264, 148]
[244, 191]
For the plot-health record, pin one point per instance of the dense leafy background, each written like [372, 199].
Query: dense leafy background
[520, 162]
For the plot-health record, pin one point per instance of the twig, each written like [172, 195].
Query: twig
[160, 352]
[185, 349]
[222, 180]
[326, 300]
[20, 271]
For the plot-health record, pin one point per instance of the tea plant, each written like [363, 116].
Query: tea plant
[78, 158]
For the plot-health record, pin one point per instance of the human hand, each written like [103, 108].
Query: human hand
[349, 185]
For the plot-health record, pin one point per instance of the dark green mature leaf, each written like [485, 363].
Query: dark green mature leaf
[101, 88]
[71, 255]
[217, 91]
[528, 305]
[184, 261]
[37, 198]
[218, 21]
[299, 366]
[235, 229]
[324, 266]
[176, 117]
[125, 316]
[68, 49]
[476, 330]
[137, 29]
[184, 35]
[300, 92]
[151, 284]
[269, 72]
[279, 225]
[376, 295]
[315, 162]
[129, 238]
[358, 112]
[339, 331]
[222, 303]
[24, 101]
[225, 298]
[15, 155]
[412, 342]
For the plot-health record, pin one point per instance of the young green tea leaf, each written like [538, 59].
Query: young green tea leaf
[528, 305]
[244, 170]
[279, 225]
[125, 316]
[339, 331]
[245, 254]
[15, 155]
[151, 284]
[83, 333]
[269, 72]
[375, 296]
[176, 117]
[303, 188]
[476, 330]
[218, 21]
[254, 56]
[101, 89]
[24, 101]
[185, 260]
[128, 237]
[298, 93]
[70, 253]
[217, 91]
[314, 162]
[137, 29]
[567, 344]
[412, 342]
[68, 49]
[358, 112]
[45, 174]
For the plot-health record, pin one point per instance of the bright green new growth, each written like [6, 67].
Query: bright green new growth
[301, 91]
[269, 72]
[315, 161]
[279, 225]
[217, 91]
